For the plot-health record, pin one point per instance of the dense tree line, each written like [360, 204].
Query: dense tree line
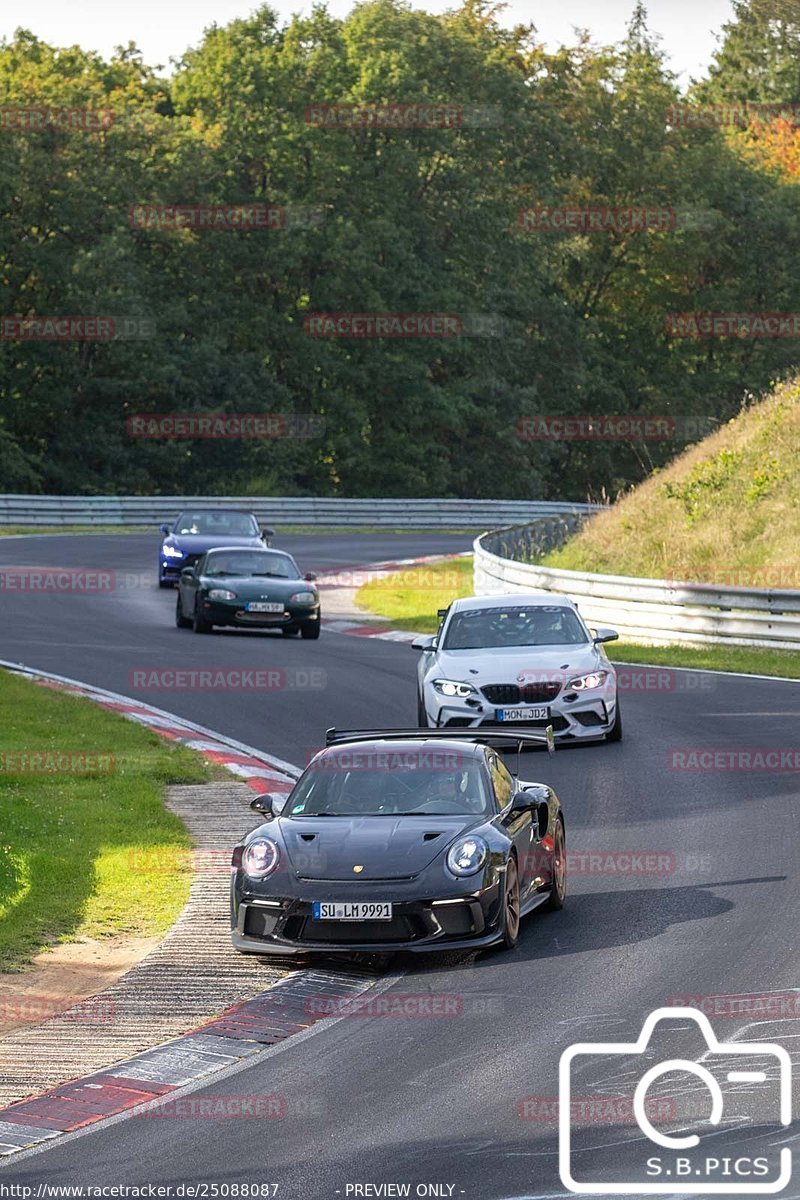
[385, 220]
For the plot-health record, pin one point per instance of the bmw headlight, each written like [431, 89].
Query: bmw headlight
[260, 858]
[221, 594]
[453, 687]
[303, 598]
[171, 552]
[585, 683]
[466, 856]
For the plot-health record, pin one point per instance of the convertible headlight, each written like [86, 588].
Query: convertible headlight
[466, 856]
[171, 552]
[453, 687]
[221, 594]
[260, 858]
[303, 598]
[585, 683]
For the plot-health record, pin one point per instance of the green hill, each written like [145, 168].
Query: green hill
[725, 511]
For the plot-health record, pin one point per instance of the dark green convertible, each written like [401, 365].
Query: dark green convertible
[250, 589]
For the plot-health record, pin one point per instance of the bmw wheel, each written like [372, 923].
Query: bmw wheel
[422, 716]
[615, 732]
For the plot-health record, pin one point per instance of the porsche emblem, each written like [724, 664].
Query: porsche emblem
[358, 870]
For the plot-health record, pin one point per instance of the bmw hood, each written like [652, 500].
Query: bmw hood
[384, 847]
[503, 664]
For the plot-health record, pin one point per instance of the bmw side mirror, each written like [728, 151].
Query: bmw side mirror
[267, 533]
[425, 644]
[310, 576]
[262, 804]
[604, 635]
[164, 528]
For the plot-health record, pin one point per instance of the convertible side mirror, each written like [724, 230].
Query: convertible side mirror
[310, 576]
[164, 528]
[605, 635]
[263, 804]
[426, 644]
[187, 573]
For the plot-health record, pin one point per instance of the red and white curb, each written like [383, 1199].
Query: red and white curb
[237, 1037]
[260, 771]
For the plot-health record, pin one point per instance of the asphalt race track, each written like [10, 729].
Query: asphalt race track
[438, 1100]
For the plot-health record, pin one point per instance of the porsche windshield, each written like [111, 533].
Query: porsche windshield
[536, 625]
[345, 787]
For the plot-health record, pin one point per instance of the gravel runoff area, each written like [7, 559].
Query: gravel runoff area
[190, 977]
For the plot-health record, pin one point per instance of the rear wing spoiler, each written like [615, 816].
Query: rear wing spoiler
[520, 737]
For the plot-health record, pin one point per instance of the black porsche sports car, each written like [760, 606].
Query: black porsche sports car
[400, 840]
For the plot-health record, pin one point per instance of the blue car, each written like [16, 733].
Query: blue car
[201, 529]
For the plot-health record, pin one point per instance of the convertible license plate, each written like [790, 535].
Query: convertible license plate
[262, 606]
[523, 714]
[352, 912]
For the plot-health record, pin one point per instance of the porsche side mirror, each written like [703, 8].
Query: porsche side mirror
[164, 528]
[522, 801]
[310, 576]
[262, 804]
[604, 635]
[425, 644]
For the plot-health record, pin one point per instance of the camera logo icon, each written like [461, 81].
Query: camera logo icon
[727, 1077]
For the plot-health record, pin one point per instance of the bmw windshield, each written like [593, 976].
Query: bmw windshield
[514, 625]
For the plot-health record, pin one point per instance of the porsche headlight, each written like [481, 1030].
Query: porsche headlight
[303, 598]
[453, 687]
[221, 594]
[466, 856]
[171, 552]
[260, 858]
[585, 683]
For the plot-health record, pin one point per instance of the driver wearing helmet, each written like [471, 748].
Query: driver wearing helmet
[455, 790]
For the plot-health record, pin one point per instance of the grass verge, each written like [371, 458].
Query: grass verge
[84, 851]
[409, 600]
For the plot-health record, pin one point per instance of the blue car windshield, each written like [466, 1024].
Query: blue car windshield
[377, 790]
[245, 562]
[208, 524]
[517, 625]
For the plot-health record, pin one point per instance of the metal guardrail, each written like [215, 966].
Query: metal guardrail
[426, 513]
[653, 611]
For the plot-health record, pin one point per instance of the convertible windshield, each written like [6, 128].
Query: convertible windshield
[539, 625]
[383, 790]
[209, 524]
[256, 563]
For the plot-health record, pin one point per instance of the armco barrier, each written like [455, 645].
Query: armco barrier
[427, 513]
[653, 611]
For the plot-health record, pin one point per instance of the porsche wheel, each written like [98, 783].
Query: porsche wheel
[510, 906]
[558, 893]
